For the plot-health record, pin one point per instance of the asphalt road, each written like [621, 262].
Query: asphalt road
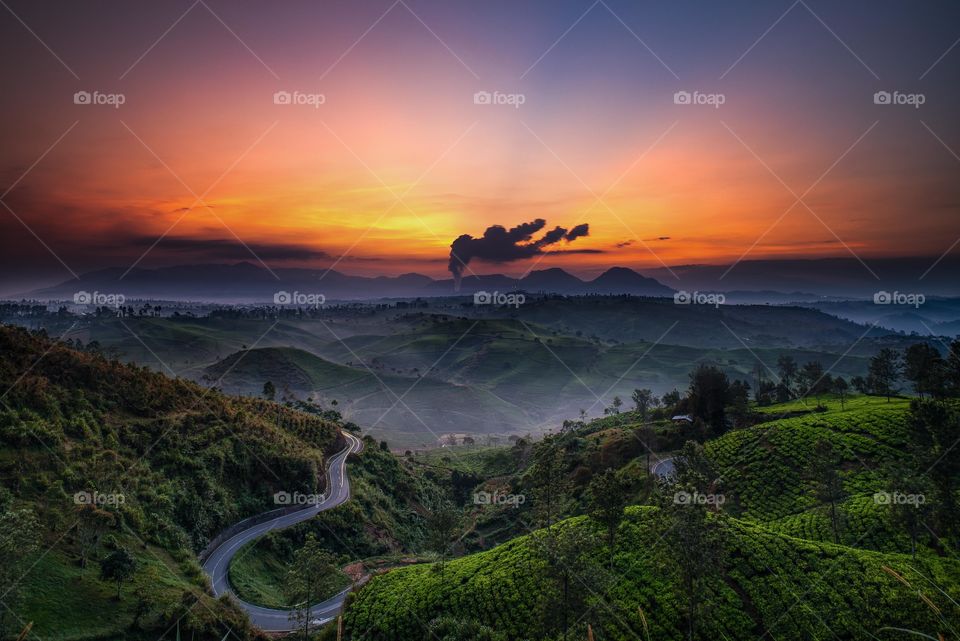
[665, 468]
[218, 563]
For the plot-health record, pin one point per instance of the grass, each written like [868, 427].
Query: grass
[65, 602]
[485, 461]
[765, 468]
[504, 588]
[257, 576]
[832, 402]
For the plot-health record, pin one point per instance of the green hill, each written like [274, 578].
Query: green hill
[781, 574]
[766, 470]
[384, 518]
[172, 464]
[407, 410]
[773, 585]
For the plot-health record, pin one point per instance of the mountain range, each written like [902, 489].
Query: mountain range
[749, 281]
[248, 283]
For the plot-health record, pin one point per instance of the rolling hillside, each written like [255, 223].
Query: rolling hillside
[782, 573]
[159, 464]
[778, 585]
[406, 409]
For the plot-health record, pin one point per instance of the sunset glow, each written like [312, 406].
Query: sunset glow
[398, 160]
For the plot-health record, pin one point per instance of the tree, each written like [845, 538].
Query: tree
[693, 551]
[829, 486]
[118, 566]
[786, 370]
[708, 396]
[952, 369]
[671, 399]
[92, 524]
[694, 469]
[311, 578]
[910, 515]
[643, 400]
[739, 400]
[608, 496]
[840, 387]
[860, 384]
[19, 539]
[548, 478]
[884, 372]
[934, 430]
[269, 391]
[614, 406]
[565, 553]
[443, 523]
[923, 366]
[813, 380]
[648, 437]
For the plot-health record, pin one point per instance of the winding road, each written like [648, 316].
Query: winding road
[664, 468]
[217, 564]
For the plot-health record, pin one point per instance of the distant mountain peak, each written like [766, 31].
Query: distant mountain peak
[251, 283]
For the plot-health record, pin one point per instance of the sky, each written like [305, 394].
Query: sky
[411, 123]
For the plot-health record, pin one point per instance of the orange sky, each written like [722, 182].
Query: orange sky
[399, 121]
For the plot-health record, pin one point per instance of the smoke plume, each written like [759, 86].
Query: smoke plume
[501, 245]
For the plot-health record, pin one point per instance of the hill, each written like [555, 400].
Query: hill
[245, 283]
[772, 584]
[775, 540]
[408, 409]
[382, 521]
[101, 455]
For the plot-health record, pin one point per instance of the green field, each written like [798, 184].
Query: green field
[257, 575]
[777, 540]
[770, 575]
[460, 370]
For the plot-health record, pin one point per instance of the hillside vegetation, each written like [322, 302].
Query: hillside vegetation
[99, 456]
[797, 538]
[773, 584]
[384, 519]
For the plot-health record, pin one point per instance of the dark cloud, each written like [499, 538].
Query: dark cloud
[578, 231]
[576, 251]
[554, 235]
[627, 243]
[501, 245]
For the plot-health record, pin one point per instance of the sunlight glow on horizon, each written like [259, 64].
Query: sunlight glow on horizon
[398, 120]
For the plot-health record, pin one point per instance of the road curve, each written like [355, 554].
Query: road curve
[664, 468]
[217, 564]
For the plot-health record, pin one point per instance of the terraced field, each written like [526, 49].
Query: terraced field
[776, 584]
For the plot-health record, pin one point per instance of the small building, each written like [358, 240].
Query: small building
[682, 418]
